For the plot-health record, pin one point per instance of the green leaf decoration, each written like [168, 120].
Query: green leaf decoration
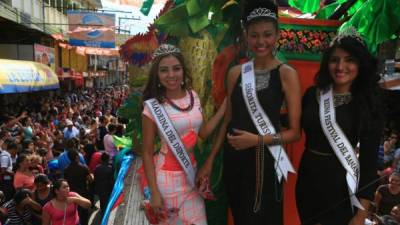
[146, 7]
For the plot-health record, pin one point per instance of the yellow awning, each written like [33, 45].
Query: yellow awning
[26, 76]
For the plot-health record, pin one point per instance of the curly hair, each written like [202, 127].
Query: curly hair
[153, 88]
[365, 88]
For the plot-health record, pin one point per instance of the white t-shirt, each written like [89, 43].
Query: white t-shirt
[6, 162]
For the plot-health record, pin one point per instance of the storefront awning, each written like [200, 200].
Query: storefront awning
[18, 76]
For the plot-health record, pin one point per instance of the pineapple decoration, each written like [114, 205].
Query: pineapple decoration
[199, 54]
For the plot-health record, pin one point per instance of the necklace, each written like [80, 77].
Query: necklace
[339, 98]
[188, 108]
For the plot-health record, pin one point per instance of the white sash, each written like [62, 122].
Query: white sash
[262, 122]
[172, 138]
[340, 144]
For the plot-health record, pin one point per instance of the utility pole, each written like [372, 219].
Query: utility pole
[125, 18]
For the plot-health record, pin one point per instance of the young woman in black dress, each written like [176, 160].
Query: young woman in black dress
[325, 191]
[253, 187]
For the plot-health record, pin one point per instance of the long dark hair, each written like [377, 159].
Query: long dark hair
[364, 89]
[153, 88]
[57, 185]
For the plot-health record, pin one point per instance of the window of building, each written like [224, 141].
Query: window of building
[59, 5]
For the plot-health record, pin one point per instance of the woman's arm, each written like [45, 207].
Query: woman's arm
[292, 90]
[45, 218]
[208, 127]
[79, 200]
[205, 170]
[149, 130]
[242, 140]
[377, 200]
[32, 203]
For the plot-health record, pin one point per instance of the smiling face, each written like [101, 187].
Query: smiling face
[261, 38]
[343, 68]
[170, 74]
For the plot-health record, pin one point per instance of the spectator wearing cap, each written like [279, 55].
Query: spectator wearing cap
[70, 131]
[103, 181]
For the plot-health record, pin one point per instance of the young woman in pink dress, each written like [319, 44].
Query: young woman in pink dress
[170, 85]
[63, 208]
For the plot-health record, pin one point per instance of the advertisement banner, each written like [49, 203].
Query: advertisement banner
[135, 3]
[91, 29]
[26, 76]
[45, 55]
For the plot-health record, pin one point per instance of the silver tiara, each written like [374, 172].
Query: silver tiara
[261, 12]
[165, 49]
[348, 32]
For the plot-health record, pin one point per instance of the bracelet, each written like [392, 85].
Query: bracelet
[260, 141]
[276, 139]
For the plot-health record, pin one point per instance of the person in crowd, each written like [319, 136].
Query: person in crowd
[6, 173]
[104, 181]
[387, 196]
[59, 143]
[27, 130]
[13, 149]
[389, 147]
[63, 208]
[24, 177]
[171, 187]
[101, 132]
[28, 146]
[78, 177]
[335, 183]
[36, 164]
[41, 195]
[70, 131]
[109, 145]
[63, 159]
[246, 144]
[19, 209]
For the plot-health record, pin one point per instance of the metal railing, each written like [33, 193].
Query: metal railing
[41, 16]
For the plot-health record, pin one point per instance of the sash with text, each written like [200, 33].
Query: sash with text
[340, 144]
[172, 138]
[263, 124]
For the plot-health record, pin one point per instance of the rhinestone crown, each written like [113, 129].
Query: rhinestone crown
[165, 49]
[261, 12]
[348, 32]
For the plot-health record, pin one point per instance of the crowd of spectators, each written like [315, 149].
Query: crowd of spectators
[386, 210]
[56, 154]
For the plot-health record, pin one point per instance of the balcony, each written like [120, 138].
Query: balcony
[35, 14]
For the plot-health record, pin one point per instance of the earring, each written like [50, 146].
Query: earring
[159, 85]
[274, 51]
[182, 84]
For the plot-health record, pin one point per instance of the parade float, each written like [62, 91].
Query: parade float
[209, 34]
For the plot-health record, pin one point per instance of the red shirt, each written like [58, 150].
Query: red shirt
[57, 215]
[95, 161]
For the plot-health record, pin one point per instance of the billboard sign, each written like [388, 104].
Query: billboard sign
[91, 29]
[45, 55]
